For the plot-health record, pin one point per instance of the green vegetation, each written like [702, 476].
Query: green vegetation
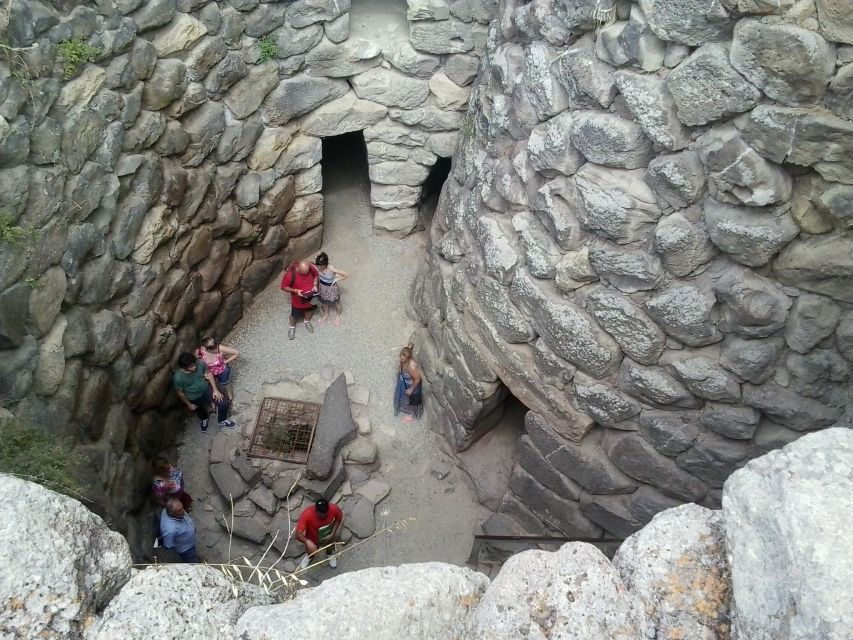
[33, 282]
[14, 235]
[73, 53]
[269, 49]
[279, 439]
[39, 457]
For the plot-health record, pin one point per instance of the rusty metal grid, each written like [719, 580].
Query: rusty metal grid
[284, 430]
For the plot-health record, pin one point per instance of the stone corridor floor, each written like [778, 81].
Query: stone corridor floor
[443, 511]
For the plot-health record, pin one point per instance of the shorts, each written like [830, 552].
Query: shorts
[299, 314]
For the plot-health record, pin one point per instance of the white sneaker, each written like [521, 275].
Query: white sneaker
[306, 561]
[333, 562]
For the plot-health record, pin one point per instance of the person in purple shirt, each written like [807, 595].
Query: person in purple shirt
[177, 531]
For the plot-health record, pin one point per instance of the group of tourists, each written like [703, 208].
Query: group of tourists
[202, 383]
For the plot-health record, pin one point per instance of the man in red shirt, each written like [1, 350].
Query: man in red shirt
[300, 281]
[318, 527]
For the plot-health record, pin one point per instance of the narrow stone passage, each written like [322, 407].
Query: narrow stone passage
[375, 326]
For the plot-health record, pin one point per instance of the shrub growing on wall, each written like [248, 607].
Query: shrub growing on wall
[30, 454]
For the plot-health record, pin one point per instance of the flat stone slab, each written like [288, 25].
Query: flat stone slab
[374, 490]
[359, 395]
[315, 489]
[264, 498]
[241, 463]
[335, 428]
[228, 481]
[361, 451]
[359, 516]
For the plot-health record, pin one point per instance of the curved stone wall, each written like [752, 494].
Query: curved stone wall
[159, 161]
[646, 239]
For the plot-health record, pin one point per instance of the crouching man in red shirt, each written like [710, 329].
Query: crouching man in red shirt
[318, 526]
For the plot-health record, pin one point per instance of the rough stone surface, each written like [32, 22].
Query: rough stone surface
[61, 563]
[573, 592]
[421, 600]
[335, 427]
[784, 584]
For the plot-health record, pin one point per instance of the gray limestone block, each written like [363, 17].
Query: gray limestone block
[706, 87]
[228, 481]
[844, 335]
[808, 60]
[586, 462]
[391, 88]
[553, 368]
[629, 270]
[790, 408]
[749, 235]
[441, 36]
[539, 83]
[574, 270]
[601, 400]
[631, 453]
[496, 304]
[839, 95]
[677, 565]
[677, 179]
[225, 74]
[335, 427]
[265, 18]
[589, 81]
[637, 335]
[402, 56]
[820, 374]
[610, 140]
[670, 432]
[687, 313]
[631, 43]
[549, 148]
[714, 458]
[752, 360]
[153, 14]
[397, 172]
[204, 126]
[203, 57]
[767, 537]
[299, 95]
[341, 60]
[683, 22]
[540, 250]
[84, 130]
[557, 510]
[616, 204]
[698, 371]
[14, 304]
[646, 502]
[462, 68]
[499, 253]
[684, 245]
[601, 605]
[737, 174]
[337, 30]
[611, 513]
[569, 331]
[812, 318]
[835, 21]
[303, 13]
[360, 518]
[737, 422]
[752, 306]
[823, 264]
[653, 385]
[653, 108]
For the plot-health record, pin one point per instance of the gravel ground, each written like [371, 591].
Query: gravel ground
[440, 514]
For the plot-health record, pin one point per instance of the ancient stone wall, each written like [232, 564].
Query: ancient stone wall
[159, 162]
[646, 239]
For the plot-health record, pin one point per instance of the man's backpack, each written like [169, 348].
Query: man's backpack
[291, 271]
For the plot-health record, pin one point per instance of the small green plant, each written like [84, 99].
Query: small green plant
[39, 457]
[269, 49]
[280, 440]
[15, 235]
[73, 53]
[33, 282]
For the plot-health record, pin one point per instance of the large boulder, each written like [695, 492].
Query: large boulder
[571, 593]
[177, 601]
[677, 566]
[335, 428]
[786, 518]
[428, 600]
[61, 564]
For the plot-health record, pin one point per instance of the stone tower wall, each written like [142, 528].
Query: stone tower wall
[146, 195]
[645, 238]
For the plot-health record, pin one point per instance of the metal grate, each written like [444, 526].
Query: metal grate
[284, 430]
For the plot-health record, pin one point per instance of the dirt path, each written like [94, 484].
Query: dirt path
[444, 511]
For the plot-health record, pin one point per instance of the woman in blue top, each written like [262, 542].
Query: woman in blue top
[407, 393]
[327, 287]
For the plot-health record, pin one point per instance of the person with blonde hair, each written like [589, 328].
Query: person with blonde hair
[407, 394]
[218, 358]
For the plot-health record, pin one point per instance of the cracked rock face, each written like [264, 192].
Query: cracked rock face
[688, 167]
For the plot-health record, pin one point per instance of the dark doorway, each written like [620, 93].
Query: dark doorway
[431, 189]
[344, 162]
